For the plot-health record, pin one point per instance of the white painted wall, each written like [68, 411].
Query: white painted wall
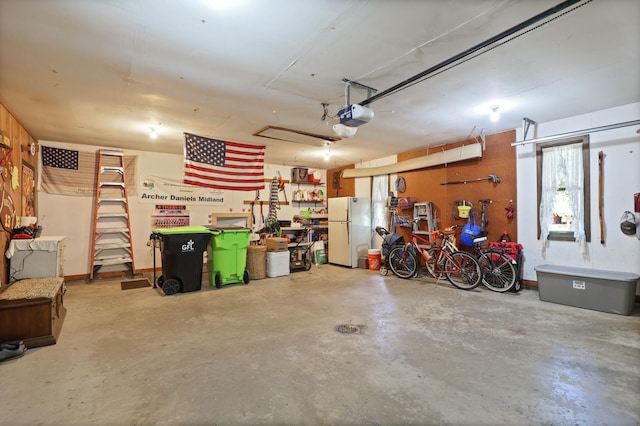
[363, 185]
[621, 148]
[72, 217]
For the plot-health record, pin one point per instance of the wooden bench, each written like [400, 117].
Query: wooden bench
[32, 310]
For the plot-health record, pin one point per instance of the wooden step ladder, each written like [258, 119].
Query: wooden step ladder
[111, 244]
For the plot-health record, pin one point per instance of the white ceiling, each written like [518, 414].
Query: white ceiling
[103, 72]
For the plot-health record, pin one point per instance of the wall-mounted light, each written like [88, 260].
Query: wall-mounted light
[494, 116]
[153, 134]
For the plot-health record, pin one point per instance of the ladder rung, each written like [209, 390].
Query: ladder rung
[113, 230]
[111, 260]
[112, 200]
[121, 184]
[108, 246]
[101, 215]
[110, 152]
[113, 169]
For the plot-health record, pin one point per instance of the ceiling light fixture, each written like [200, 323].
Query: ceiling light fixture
[153, 134]
[327, 151]
[344, 131]
[494, 116]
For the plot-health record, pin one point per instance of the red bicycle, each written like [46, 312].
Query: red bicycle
[460, 268]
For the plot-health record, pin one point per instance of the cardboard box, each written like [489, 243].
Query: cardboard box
[277, 244]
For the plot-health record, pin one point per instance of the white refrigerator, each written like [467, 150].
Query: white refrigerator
[349, 230]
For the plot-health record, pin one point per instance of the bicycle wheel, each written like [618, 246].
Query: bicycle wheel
[402, 262]
[463, 270]
[498, 272]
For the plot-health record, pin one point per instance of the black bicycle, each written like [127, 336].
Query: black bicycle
[499, 272]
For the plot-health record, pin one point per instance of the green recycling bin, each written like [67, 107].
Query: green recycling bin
[227, 255]
[181, 250]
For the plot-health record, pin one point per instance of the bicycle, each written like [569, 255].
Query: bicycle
[498, 270]
[461, 269]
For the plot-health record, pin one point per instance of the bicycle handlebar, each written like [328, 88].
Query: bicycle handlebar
[382, 231]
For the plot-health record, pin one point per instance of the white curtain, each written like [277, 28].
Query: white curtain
[379, 194]
[563, 163]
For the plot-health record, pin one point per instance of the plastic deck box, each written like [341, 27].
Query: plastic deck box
[606, 291]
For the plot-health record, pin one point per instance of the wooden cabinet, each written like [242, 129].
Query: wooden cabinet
[32, 310]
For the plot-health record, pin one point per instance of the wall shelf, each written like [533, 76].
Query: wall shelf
[307, 183]
[306, 197]
[264, 202]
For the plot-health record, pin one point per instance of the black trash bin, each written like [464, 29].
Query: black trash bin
[181, 250]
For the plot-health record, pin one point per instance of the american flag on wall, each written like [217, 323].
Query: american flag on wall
[220, 164]
[71, 172]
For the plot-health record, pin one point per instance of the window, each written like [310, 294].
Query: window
[563, 191]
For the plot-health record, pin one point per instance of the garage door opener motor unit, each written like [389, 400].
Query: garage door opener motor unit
[355, 115]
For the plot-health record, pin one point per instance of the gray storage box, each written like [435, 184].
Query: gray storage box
[606, 291]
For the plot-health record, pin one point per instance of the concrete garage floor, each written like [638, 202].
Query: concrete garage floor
[267, 353]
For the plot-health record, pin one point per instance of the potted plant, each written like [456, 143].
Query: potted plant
[273, 227]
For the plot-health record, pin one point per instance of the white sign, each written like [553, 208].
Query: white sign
[158, 190]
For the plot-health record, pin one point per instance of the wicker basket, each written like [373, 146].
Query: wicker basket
[257, 262]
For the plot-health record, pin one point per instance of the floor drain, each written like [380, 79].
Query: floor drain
[348, 328]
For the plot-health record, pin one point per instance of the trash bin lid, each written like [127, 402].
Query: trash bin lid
[217, 229]
[196, 229]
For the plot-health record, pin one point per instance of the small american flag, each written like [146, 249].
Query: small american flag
[220, 164]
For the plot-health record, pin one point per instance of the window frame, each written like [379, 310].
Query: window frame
[586, 187]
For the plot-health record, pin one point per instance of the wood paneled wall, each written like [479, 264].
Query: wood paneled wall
[17, 137]
[498, 158]
[337, 186]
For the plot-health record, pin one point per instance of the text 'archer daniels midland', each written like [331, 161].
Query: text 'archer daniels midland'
[183, 198]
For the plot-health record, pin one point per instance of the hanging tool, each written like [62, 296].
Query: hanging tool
[600, 195]
[492, 177]
[272, 220]
[483, 214]
[253, 204]
[281, 187]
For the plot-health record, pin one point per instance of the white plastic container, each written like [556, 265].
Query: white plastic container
[277, 263]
